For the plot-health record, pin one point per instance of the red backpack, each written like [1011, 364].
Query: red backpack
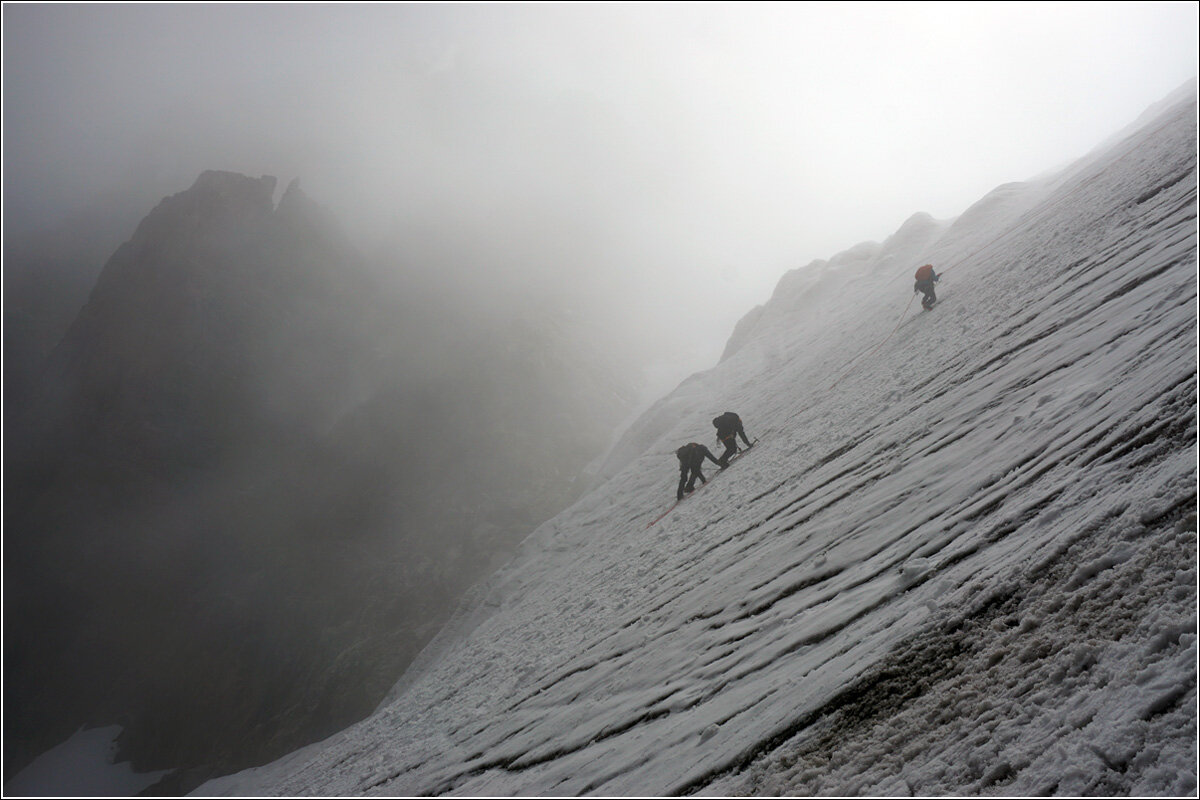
[925, 273]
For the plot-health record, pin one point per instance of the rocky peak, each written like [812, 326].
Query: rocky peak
[200, 225]
[233, 184]
[215, 200]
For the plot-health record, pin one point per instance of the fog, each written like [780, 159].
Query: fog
[654, 166]
[278, 450]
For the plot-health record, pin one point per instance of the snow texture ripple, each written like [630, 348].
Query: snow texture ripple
[961, 560]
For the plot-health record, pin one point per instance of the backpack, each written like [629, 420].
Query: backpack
[925, 273]
[728, 424]
[728, 420]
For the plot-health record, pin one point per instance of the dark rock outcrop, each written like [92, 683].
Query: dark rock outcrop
[251, 485]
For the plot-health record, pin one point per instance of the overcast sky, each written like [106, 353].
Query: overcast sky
[670, 160]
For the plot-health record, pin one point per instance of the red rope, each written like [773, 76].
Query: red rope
[660, 516]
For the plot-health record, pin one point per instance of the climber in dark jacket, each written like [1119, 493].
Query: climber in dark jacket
[729, 427]
[691, 458]
[926, 278]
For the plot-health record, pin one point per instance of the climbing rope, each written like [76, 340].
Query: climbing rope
[943, 271]
[876, 347]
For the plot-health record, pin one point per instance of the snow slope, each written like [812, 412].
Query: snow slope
[85, 765]
[961, 559]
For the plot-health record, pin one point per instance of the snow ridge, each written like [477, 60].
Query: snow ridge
[967, 567]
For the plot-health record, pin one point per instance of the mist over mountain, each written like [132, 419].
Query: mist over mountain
[257, 472]
[47, 277]
[961, 558]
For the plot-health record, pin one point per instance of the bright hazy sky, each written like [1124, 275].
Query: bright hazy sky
[671, 161]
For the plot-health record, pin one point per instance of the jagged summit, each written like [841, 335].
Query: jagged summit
[215, 199]
[232, 184]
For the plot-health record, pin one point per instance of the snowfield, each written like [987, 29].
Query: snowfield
[960, 560]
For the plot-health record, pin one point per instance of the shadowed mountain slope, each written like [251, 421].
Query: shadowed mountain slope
[256, 476]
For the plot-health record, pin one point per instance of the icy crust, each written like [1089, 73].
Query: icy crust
[960, 560]
[1077, 678]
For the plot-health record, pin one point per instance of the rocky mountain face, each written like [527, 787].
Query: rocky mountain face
[254, 478]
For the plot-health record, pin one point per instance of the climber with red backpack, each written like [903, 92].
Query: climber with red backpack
[926, 278]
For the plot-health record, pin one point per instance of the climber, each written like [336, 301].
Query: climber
[691, 458]
[729, 427]
[926, 278]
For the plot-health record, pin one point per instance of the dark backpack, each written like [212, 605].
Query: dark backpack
[727, 423]
[728, 420]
